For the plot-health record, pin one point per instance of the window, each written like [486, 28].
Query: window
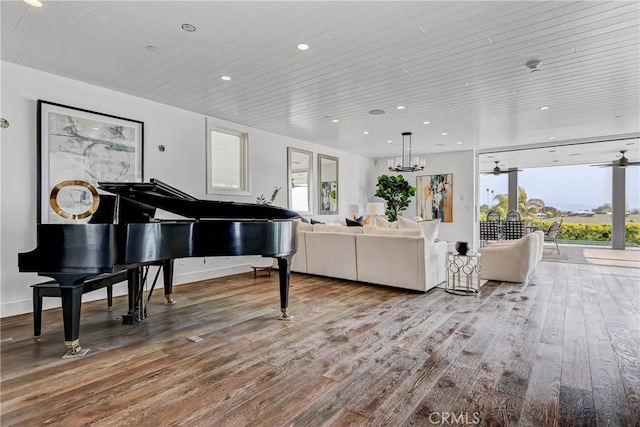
[227, 161]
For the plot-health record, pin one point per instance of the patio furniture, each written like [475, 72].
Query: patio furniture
[513, 230]
[489, 231]
[513, 216]
[493, 216]
[551, 235]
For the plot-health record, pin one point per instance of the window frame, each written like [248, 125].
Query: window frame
[244, 176]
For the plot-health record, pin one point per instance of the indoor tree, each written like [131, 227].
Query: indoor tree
[395, 190]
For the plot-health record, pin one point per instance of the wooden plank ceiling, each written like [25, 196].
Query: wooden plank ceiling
[458, 65]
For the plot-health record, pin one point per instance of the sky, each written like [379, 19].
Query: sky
[571, 188]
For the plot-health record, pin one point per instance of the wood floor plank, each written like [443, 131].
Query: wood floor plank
[561, 350]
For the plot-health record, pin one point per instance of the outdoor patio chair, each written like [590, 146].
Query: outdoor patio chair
[493, 216]
[489, 231]
[551, 235]
[513, 216]
[513, 230]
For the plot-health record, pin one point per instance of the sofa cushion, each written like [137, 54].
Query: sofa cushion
[414, 232]
[429, 228]
[305, 226]
[332, 254]
[326, 228]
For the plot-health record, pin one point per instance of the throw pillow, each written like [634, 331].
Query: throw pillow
[381, 221]
[357, 223]
[429, 228]
[366, 221]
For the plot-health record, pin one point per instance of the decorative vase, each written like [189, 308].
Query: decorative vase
[462, 247]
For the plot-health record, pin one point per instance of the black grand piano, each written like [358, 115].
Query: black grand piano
[123, 235]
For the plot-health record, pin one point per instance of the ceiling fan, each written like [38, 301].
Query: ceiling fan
[622, 162]
[497, 171]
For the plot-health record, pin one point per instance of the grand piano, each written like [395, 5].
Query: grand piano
[124, 235]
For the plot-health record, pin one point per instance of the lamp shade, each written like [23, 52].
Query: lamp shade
[375, 208]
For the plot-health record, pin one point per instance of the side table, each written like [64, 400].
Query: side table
[463, 274]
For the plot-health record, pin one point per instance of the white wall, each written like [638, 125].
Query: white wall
[462, 164]
[182, 165]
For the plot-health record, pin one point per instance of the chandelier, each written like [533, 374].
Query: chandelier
[406, 163]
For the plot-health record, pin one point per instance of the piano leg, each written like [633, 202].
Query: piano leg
[284, 272]
[134, 283]
[71, 295]
[167, 275]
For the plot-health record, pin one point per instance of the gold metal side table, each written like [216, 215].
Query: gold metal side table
[463, 274]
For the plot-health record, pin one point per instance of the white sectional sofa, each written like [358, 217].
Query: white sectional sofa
[401, 258]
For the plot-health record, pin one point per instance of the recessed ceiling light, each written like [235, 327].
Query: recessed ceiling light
[552, 138]
[443, 133]
[545, 107]
[400, 107]
[459, 142]
[188, 28]
[33, 3]
[425, 123]
[225, 78]
[377, 112]
[365, 132]
[389, 141]
[303, 46]
[335, 121]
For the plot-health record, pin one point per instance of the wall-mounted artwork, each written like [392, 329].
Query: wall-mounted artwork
[76, 150]
[328, 185]
[435, 197]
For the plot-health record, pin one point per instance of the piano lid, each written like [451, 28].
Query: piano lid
[162, 195]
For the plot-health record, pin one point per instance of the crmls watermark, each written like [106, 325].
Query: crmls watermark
[454, 418]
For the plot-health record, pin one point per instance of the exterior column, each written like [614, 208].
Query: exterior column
[618, 179]
[513, 190]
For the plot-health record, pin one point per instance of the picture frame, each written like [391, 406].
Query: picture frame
[77, 149]
[327, 185]
[435, 197]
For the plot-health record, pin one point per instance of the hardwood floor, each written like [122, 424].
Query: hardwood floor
[564, 350]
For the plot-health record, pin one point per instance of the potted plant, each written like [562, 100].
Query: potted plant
[395, 190]
[261, 200]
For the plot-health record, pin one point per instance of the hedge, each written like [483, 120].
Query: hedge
[592, 232]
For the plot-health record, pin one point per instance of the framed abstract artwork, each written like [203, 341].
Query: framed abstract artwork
[77, 149]
[435, 197]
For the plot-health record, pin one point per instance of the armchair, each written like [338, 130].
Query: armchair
[512, 261]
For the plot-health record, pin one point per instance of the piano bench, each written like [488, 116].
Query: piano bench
[52, 289]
